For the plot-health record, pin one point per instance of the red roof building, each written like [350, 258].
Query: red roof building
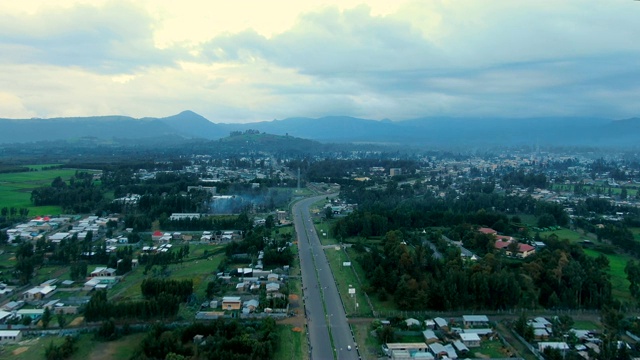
[488, 231]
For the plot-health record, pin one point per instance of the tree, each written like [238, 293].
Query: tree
[328, 213]
[46, 318]
[62, 321]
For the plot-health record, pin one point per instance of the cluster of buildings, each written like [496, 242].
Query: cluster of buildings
[443, 340]
[504, 243]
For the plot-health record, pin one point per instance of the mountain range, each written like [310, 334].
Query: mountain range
[428, 131]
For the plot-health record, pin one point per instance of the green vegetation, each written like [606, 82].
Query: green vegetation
[292, 345]
[345, 276]
[571, 235]
[491, 349]
[619, 282]
[15, 189]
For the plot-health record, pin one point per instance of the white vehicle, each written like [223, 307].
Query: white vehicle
[349, 347]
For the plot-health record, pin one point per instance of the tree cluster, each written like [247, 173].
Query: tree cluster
[162, 306]
[222, 339]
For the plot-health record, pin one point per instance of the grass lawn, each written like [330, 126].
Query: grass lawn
[619, 282]
[586, 325]
[345, 276]
[572, 236]
[292, 345]
[492, 349]
[322, 229]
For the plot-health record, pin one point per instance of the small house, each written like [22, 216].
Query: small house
[441, 324]
[475, 320]
[10, 336]
[470, 340]
[231, 303]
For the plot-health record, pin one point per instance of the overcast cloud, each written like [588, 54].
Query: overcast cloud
[259, 60]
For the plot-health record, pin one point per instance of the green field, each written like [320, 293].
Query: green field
[15, 188]
[292, 344]
[491, 349]
[619, 282]
[86, 348]
[571, 235]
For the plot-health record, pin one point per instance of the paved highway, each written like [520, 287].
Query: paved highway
[320, 293]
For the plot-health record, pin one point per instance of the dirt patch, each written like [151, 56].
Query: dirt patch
[77, 321]
[294, 297]
[480, 355]
[19, 350]
[297, 329]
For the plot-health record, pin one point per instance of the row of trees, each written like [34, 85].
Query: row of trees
[162, 306]
[152, 288]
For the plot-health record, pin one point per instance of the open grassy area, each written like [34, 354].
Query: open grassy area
[619, 282]
[571, 235]
[586, 325]
[491, 349]
[292, 344]
[344, 277]
[15, 188]
[122, 348]
[33, 348]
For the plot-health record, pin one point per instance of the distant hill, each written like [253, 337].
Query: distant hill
[428, 131]
[187, 124]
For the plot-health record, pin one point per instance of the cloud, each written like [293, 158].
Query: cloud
[412, 59]
[116, 37]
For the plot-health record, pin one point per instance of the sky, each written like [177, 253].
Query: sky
[257, 60]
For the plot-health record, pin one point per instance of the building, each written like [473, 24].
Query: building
[441, 324]
[38, 293]
[395, 171]
[10, 336]
[475, 320]
[103, 272]
[184, 216]
[231, 303]
[470, 339]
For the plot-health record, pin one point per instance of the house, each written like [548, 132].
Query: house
[561, 346]
[12, 305]
[540, 334]
[523, 250]
[488, 231]
[103, 271]
[484, 332]
[184, 216]
[460, 347]
[273, 287]
[470, 340]
[231, 303]
[250, 305]
[412, 322]
[10, 336]
[430, 337]
[430, 324]
[156, 235]
[475, 320]
[38, 293]
[441, 324]
[438, 350]
[272, 277]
